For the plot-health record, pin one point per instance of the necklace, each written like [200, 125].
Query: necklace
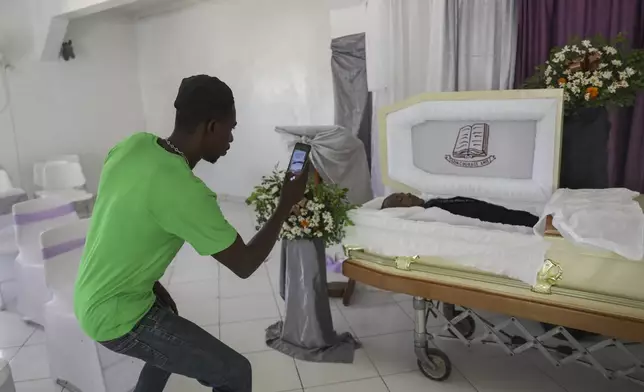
[175, 149]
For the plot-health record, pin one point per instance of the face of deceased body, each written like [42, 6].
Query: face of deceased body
[396, 200]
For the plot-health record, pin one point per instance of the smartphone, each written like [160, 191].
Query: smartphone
[299, 158]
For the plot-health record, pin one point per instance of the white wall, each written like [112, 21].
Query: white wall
[347, 20]
[8, 152]
[11, 14]
[273, 54]
[82, 106]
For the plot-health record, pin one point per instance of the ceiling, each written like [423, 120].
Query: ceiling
[336, 4]
[145, 8]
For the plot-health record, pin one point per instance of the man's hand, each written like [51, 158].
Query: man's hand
[293, 189]
[164, 297]
[244, 259]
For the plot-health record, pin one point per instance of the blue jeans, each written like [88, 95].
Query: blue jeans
[170, 344]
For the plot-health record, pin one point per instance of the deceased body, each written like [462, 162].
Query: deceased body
[465, 206]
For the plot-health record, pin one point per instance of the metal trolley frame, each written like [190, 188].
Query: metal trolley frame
[462, 325]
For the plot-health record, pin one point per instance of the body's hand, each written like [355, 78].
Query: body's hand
[165, 298]
[294, 188]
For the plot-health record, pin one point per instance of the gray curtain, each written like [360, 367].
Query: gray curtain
[352, 98]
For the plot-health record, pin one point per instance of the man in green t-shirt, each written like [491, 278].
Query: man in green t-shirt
[149, 204]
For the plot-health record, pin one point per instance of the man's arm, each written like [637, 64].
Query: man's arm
[244, 259]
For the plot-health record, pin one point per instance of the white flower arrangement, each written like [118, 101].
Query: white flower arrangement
[323, 213]
[593, 74]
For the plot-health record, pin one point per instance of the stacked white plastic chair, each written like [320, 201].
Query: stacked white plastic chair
[31, 218]
[8, 248]
[39, 168]
[65, 179]
[76, 362]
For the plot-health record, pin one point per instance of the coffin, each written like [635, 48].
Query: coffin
[498, 146]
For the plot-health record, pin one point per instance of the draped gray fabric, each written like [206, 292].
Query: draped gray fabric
[337, 155]
[352, 98]
[307, 331]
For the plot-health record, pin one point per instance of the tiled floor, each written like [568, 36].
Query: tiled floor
[238, 312]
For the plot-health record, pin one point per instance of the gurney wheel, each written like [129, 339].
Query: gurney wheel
[440, 368]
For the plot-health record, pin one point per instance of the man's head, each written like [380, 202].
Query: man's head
[206, 114]
[402, 200]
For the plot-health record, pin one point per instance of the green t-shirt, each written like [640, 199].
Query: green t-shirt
[149, 203]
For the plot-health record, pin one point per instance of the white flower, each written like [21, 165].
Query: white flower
[602, 65]
[630, 71]
[564, 49]
[548, 80]
[610, 50]
[575, 49]
[612, 88]
[586, 43]
[595, 81]
[616, 63]
[623, 84]
[566, 96]
[559, 57]
[587, 97]
[607, 75]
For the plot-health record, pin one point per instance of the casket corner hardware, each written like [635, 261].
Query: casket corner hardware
[549, 274]
[349, 249]
[405, 262]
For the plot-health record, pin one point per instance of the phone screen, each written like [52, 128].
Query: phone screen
[298, 159]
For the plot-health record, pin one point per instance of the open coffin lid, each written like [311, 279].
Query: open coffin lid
[499, 146]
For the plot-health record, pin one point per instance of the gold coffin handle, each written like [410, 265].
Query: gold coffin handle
[549, 274]
[349, 249]
[404, 262]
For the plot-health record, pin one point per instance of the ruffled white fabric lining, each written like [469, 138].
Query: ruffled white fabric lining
[608, 219]
[512, 251]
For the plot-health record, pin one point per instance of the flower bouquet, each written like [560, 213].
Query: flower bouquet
[593, 73]
[319, 220]
[322, 214]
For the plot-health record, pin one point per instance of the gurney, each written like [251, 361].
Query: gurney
[546, 279]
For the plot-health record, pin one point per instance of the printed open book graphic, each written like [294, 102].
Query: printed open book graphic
[472, 141]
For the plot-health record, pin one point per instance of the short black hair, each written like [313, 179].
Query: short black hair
[202, 98]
